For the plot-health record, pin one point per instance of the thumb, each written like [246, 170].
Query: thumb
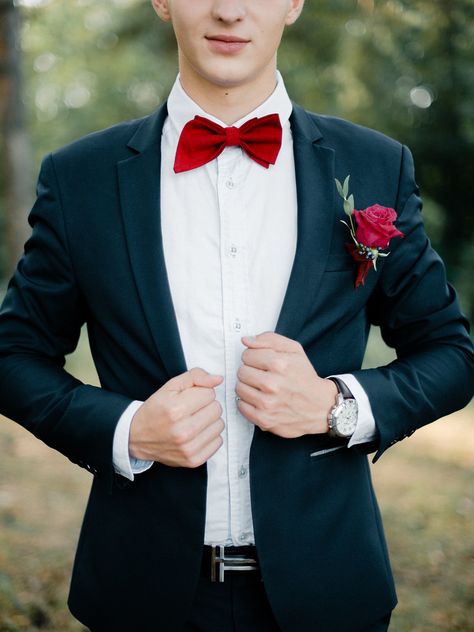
[271, 340]
[194, 377]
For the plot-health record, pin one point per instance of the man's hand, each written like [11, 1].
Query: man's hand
[279, 389]
[180, 424]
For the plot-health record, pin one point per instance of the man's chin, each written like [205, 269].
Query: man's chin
[226, 80]
[226, 72]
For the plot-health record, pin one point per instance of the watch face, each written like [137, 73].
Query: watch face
[345, 417]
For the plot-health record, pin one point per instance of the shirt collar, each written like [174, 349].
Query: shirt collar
[181, 108]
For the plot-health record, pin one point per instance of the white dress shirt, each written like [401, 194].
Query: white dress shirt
[229, 237]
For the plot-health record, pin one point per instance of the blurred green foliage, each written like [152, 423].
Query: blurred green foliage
[403, 67]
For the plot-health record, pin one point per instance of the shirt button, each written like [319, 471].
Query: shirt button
[237, 325]
[242, 472]
[233, 250]
[243, 537]
[229, 183]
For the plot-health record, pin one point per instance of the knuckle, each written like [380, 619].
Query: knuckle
[197, 374]
[190, 454]
[217, 409]
[194, 461]
[181, 437]
[175, 412]
[209, 397]
[278, 365]
[271, 386]
[217, 428]
[266, 403]
[196, 370]
[219, 443]
[187, 452]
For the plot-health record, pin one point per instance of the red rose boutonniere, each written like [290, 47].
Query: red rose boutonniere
[371, 233]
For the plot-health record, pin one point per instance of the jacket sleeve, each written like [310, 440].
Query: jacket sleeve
[40, 322]
[419, 316]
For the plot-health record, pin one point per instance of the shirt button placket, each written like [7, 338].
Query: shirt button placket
[233, 327]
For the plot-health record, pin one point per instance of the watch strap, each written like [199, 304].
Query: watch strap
[342, 388]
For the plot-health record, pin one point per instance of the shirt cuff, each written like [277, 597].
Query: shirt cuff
[366, 430]
[124, 464]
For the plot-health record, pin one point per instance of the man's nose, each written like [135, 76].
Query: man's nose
[229, 10]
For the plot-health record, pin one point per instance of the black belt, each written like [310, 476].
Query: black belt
[218, 560]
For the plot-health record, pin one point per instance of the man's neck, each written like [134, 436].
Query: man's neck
[228, 104]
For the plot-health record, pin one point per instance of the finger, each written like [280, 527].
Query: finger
[250, 395]
[258, 378]
[249, 411]
[272, 340]
[259, 358]
[206, 379]
[203, 418]
[195, 398]
[208, 435]
[208, 451]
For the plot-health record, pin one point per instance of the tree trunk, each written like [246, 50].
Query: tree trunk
[16, 166]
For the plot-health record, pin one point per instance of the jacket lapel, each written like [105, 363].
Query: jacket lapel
[139, 185]
[314, 166]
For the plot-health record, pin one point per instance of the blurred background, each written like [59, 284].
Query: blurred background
[404, 67]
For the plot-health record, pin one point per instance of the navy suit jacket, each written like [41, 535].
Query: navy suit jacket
[95, 256]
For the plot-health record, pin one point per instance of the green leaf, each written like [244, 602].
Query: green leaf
[350, 199]
[345, 187]
[339, 188]
[348, 208]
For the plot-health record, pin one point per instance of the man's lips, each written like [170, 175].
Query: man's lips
[227, 38]
[226, 44]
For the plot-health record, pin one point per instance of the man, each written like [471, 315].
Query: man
[215, 244]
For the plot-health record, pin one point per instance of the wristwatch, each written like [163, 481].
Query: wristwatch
[343, 416]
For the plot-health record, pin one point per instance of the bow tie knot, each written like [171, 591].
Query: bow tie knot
[203, 140]
[232, 136]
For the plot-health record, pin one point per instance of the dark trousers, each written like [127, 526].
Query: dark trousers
[240, 605]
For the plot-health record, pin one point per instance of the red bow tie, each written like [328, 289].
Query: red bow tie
[202, 140]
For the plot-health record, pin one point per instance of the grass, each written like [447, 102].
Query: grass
[425, 490]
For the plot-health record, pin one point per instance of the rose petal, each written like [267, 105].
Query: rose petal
[375, 226]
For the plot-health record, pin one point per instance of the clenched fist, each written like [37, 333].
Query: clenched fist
[180, 424]
[279, 389]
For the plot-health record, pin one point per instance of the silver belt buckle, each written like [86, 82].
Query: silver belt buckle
[220, 563]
